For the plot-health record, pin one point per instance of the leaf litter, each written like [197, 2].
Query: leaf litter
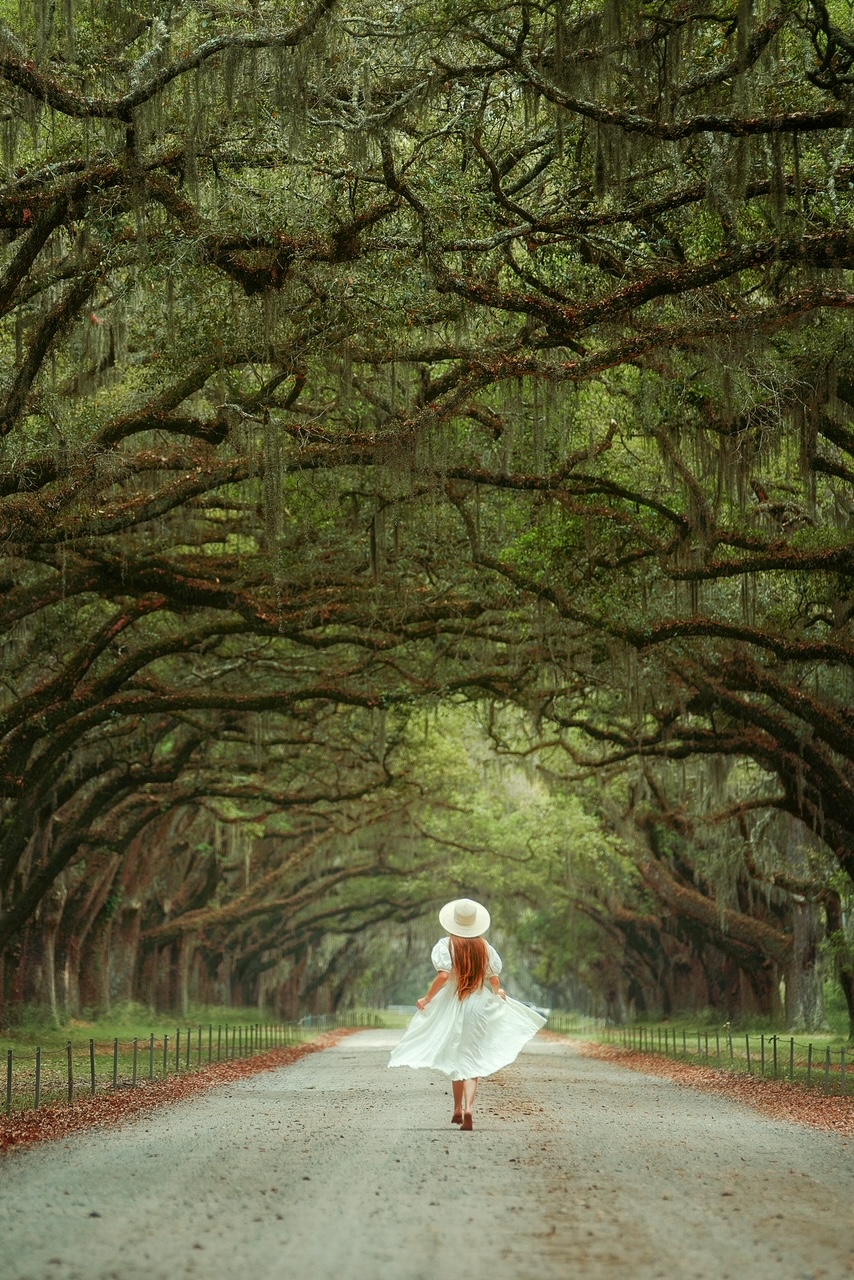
[51, 1123]
[779, 1099]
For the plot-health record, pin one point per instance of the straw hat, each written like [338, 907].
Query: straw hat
[464, 918]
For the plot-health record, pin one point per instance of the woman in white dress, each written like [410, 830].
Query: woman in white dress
[466, 1025]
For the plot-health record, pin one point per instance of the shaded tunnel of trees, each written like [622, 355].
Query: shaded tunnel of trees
[427, 466]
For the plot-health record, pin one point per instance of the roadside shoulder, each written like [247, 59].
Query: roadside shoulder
[778, 1099]
[48, 1124]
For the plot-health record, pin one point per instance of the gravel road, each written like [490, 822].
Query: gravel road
[338, 1169]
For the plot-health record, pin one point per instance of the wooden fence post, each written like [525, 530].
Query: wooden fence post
[792, 1058]
[8, 1082]
[165, 1056]
[827, 1070]
[749, 1068]
[92, 1081]
[809, 1065]
[116, 1063]
[38, 1077]
[68, 1053]
[151, 1056]
[135, 1057]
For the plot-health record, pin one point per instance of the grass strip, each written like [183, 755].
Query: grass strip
[50, 1123]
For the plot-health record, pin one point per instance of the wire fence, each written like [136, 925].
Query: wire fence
[771, 1056]
[574, 1024]
[39, 1077]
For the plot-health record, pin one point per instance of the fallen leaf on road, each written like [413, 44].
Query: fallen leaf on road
[50, 1123]
[780, 1099]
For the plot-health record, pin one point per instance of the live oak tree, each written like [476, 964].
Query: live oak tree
[356, 356]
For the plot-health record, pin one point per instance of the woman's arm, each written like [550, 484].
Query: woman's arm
[438, 983]
[495, 983]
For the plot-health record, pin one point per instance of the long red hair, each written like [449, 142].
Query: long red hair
[471, 957]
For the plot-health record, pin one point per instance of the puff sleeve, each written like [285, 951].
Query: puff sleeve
[441, 956]
[495, 963]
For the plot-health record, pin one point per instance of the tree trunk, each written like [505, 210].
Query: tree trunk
[761, 993]
[69, 976]
[186, 948]
[44, 971]
[804, 994]
[95, 968]
[724, 987]
[844, 961]
[146, 983]
[846, 981]
[82, 910]
[126, 950]
[45, 933]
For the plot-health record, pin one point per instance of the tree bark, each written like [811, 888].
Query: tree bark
[46, 930]
[845, 961]
[186, 948]
[804, 993]
[95, 967]
[126, 950]
[689, 903]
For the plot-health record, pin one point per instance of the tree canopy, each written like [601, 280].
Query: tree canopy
[361, 360]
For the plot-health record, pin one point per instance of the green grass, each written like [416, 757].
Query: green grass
[211, 1034]
[835, 1033]
[754, 1027]
[394, 1020]
[818, 1061]
[125, 1021]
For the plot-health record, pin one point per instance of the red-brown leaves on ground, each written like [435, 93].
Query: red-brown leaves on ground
[22, 1128]
[779, 1099]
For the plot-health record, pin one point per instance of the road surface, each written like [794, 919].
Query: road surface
[336, 1168]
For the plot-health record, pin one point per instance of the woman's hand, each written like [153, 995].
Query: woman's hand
[438, 983]
[501, 992]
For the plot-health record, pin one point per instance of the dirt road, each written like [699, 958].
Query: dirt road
[337, 1169]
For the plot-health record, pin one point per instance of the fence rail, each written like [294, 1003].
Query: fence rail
[771, 1056]
[41, 1076]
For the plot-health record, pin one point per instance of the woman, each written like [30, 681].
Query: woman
[465, 1025]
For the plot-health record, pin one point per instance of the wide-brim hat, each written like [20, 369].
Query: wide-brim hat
[464, 918]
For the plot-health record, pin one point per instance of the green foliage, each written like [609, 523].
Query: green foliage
[443, 357]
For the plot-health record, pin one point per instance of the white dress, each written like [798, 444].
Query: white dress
[466, 1038]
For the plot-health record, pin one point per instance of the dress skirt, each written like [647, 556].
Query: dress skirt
[466, 1038]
